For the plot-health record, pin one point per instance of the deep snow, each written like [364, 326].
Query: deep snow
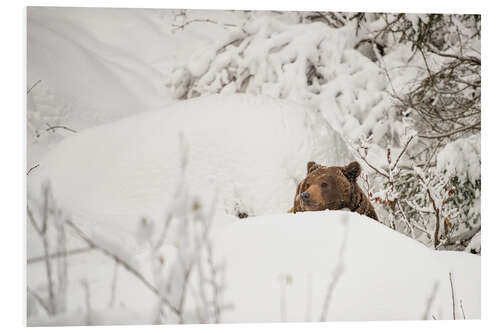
[385, 276]
[246, 152]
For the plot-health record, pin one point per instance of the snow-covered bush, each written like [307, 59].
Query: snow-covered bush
[399, 87]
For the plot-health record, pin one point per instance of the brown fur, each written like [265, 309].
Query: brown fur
[332, 188]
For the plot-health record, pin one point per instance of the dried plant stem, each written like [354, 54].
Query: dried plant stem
[125, 265]
[453, 297]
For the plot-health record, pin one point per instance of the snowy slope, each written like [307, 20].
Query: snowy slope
[102, 81]
[248, 153]
[384, 275]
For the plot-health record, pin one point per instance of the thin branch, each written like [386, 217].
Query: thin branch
[182, 26]
[163, 233]
[114, 279]
[39, 299]
[52, 128]
[461, 129]
[452, 296]
[402, 152]
[337, 273]
[125, 265]
[33, 222]
[34, 260]
[473, 60]
[408, 224]
[32, 168]
[462, 308]
[436, 210]
[33, 86]
[430, 301]
[370, 165]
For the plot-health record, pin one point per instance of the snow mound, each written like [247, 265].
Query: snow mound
[384, 275]
[84, 57]
[279, 268]
[246, 152]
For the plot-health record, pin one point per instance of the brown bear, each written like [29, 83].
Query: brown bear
[332, 188]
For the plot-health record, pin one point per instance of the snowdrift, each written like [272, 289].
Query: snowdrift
[246, 153]
[383, 275]
[280, 268]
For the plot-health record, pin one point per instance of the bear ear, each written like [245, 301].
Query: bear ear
[352, 171]
[311, 166]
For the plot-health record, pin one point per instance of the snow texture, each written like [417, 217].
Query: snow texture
[274, 95]
[462, 158]
[250, 152]
[384, 275]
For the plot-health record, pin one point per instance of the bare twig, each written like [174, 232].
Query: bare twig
[401, 153]
[435, 208]
[382, 173]
[163, 233]
[40, 300]
[114, 279]
[34, 260]
[32, 168]
[124, 264]
[337, 273]
[42, 232]
[52, 128]
[453, 296]
[409, 225]
[462, 308]
[33, 86]
[430, 301]
[88, 308]
[458, 130]
[185, 24]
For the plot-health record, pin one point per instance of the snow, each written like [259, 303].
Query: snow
[462, 158]
[116, 75]
[249, 151]
[106, 81]
[385, 275]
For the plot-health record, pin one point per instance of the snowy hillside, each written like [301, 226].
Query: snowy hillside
[164, 149]
[279, 268]
[248, 153]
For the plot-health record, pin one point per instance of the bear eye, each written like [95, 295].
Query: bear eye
[324, 185]
[307, 186]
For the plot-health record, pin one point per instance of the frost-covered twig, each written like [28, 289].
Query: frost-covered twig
[405, 219]
[475, 126]
[124, 264]
[380, 172]
[402, 153]
[434, 207]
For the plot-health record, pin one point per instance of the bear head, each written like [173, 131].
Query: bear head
[327, 187]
